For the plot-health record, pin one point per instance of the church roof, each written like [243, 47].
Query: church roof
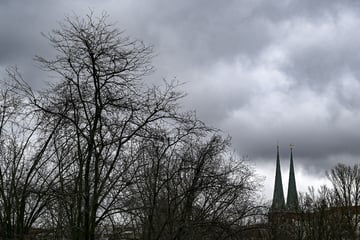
[292, 202]
[278, 203]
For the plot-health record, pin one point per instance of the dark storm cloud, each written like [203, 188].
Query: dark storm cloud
[261, 70]
[199, 33]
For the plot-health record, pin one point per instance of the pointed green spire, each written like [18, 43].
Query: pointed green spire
[292, 202]
[278, 198]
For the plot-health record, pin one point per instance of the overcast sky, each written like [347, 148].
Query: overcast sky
[261, 70]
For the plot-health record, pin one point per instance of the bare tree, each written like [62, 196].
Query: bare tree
[25, 172]
[346, 185]
[317, 220]
[111, 150]
[332, 213]
[103, 109]
[191, 188]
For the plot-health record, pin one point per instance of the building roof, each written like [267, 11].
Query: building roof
[292, 202]
[278, 203]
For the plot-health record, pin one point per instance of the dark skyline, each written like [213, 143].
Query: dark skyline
[261, 71]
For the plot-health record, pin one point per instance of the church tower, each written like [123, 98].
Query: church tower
[278, 203]
[283, 218]
[292, 202]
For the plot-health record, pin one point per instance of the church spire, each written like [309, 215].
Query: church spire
[292, 202]
[278, 197]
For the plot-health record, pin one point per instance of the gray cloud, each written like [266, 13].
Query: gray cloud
[262, 70]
